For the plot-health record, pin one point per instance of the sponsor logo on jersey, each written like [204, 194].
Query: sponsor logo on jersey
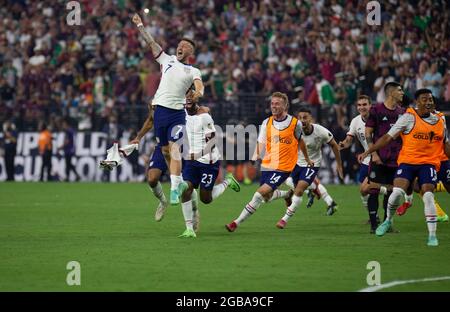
[431, 136]
[278, 139]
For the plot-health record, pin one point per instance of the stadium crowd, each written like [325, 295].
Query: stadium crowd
[322, 53]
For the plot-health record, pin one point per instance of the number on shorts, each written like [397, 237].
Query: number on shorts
[448, 174]
[309, 173]
[207, 176]
[275, 178]
[180, 128]
[433, 173]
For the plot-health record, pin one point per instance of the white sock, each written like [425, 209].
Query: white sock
[394, 201]
[326, 197]
[194, 200]
[158, 192]
[278, 194]
[430, 213]
[175, 181]
[296, 202]
[188, 214]
[383, 190]
[219, 189]
[313, 186]
[250, 208]
[409, 198]
[364, 200]
[290, 183]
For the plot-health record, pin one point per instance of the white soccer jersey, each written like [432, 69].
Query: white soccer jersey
[314, 142]
[176, 79]
[358, 130]
[197, 127]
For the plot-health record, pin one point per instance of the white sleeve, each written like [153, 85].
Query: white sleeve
[404, 124]
[378, 82]
[352, 129]
[196, 75]
[208, 123]
[326, 135]
[163, 58]
[263, 132]
[298, 130]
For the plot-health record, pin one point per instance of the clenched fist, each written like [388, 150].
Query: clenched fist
[136, 19]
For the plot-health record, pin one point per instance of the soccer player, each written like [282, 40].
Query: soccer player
[423, 136]
[314, 136]
[383, 164]
[443, 181]
[201, 168]
[177, 77]
[280, 137]
[358, 130]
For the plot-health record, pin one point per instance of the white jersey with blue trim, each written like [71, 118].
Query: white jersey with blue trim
[176, 79]
[314, 143]
[197, 128]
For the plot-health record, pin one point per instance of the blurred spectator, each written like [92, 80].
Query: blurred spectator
[378, 86]
[69, 149]
[433, 80]
[10, 147]
[45, 150]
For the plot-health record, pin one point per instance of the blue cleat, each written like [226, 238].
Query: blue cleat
[174, 197]
[383, 228]
[432, 241]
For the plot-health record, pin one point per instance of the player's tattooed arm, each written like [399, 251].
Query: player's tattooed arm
[375, 157]
[199, 90]
[346, 143]
[154, 46]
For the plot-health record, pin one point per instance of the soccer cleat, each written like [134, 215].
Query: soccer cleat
[174, 197]
[160, 211]
[440, 187]
[188, 233]
[432, 241]
[332, 209]
[281, 224]
[383, 228]
[196, 221]
[402, 209]
[108, 164]
[232, 182]
[442, 218]
[310, 199]
[288, 200]
[231, 227]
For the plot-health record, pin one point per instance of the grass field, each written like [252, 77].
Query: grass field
[109, 229]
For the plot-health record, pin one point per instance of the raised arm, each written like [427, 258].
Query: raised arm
[382, 142]
[199, 90]
[152, 44]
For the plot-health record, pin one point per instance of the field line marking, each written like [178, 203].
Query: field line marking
[396, 283]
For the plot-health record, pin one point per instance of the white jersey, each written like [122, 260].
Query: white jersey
[279, 125]
[358, 130]
[314, 142]
[197, 128]
[176, 79]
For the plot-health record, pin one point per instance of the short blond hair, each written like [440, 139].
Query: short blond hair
[282, 96]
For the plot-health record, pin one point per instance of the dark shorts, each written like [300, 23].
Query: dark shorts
[426, 174]
[273, 178]
[157, 161]
[363, 172]
[444, 172]
[381, 174]
[168, 124]
[307, 174]
[200, 174]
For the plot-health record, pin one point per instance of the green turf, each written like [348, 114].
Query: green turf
[109, 229]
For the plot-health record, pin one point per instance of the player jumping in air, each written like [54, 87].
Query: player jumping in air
[177, 77]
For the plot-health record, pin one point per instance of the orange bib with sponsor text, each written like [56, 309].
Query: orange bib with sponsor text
[443, 156]
[423, 144]
[281, 147]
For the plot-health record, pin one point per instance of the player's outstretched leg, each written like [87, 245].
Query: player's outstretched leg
[186, 190]
[153, 176]
[332, 206]
[431, 218]
[393, 202]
